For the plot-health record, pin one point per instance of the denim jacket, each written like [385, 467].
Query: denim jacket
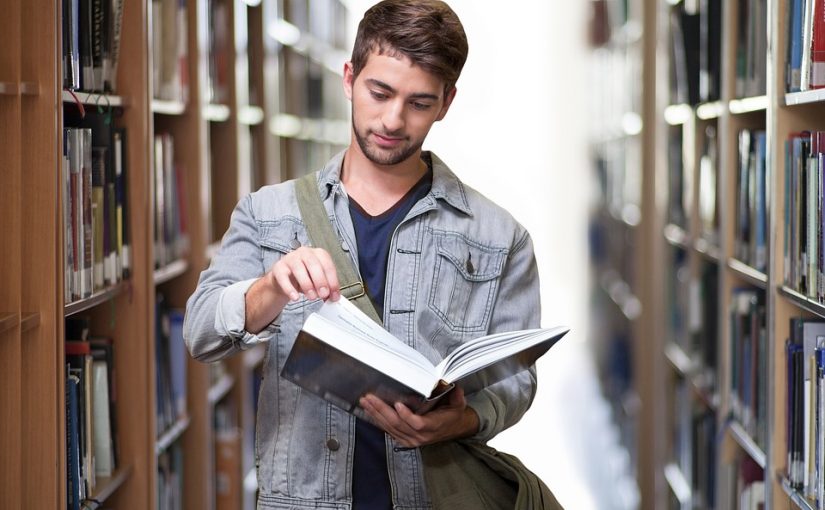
[459, 267]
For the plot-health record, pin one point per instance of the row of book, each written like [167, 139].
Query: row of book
[170, 479]
[695, 46]
[91, 426]
[169, 204]
[805, 358]
[748, 362]
[170, 63]
[804, 219]
[751, 217]
[806, 45]
[694, 443]
[170, 360]
[741, 484]
[95, 210]
[91, 44]
[752, 48]
[219, 48]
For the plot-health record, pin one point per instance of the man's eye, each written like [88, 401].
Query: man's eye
[378, 95]
[421, 106]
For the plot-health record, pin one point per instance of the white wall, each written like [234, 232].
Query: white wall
[516, 132]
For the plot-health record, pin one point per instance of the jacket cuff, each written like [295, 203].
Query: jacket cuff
[481, 404]
[230, 317]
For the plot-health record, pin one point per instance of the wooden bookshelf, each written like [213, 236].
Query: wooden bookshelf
[225, 149]
[756, 103]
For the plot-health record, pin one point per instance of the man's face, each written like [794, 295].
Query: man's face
[394, 105]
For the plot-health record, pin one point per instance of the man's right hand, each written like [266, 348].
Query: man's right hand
[307, 271]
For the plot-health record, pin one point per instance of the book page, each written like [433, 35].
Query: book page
[347, 316]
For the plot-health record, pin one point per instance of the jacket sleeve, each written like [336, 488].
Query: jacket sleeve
[517, 306]
[213, 326]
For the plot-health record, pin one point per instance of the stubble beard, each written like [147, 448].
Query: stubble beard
[380, 156]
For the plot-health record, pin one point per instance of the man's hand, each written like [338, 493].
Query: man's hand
[452, 420]
[307, 271]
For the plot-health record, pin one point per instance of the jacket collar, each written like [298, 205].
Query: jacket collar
[446, 185]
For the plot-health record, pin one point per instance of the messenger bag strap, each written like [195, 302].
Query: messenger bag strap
[321, 234]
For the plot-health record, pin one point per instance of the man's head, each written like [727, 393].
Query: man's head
[427, 32]
[407, 57]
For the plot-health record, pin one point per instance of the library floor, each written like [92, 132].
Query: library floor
[579, 457]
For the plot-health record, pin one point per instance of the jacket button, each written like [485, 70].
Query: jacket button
[333, 444]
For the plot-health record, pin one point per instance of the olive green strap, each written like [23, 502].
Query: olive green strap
[322, 236]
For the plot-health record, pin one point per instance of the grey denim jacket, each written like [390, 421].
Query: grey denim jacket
[459, 267]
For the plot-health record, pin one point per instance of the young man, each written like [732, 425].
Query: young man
[441, 263]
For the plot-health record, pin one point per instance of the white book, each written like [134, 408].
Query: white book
[102, 440]
[341, 355]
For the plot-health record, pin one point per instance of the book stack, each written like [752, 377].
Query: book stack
[91, 44]
[805, 67]
[748, 363]
[95, 211]
[170, 357]
[170, 71]
[804, 220]
[751, 227]
[805, 358]
[91, 427]
[169, 204]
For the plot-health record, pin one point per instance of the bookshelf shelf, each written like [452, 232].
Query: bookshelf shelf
[96, 299]
[710, 111]
[170, 271]
[747, 273]
[796, 498]
[220, 389]
[710, 252]
[678, 114]
[747, 443]
[217, 112]
[335, 132]
[622, 296]
[163, 107]
[172, 434]
[250, 115]
[748, 105]
[29, 321]
[802, 301]
[106, 486]
[805, 98]
[94, 99]
[677, 236]
[678, 483]
[29, 88]
[679, 360]
[7, 322]
[9, 88]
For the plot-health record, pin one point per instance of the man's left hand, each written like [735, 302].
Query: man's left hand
[451, 420]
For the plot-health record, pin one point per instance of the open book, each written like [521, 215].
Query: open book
[341, 355]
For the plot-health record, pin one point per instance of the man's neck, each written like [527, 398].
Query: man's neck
[377, 187]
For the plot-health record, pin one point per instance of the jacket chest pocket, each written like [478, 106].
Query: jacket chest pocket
[465, 281]
[278, 238]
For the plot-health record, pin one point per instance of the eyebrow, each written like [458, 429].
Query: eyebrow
[388, 88]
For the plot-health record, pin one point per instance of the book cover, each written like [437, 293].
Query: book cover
[341, 355]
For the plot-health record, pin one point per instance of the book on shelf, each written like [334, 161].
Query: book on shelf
[751, 48]
[750, 236]
[805, 359]
[710, 49]
[170, 74]
[171, 236]
[91, 44]
[708, 184]
[341, 355]
[170, 359]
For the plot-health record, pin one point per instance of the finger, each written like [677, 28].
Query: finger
[317, 272]
[284, 281]
[298, 271]
[388, 418]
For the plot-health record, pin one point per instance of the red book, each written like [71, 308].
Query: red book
[818, 46]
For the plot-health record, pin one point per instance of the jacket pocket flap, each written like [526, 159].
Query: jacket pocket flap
[475, 262]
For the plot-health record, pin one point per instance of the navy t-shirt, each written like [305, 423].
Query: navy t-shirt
[370, 479]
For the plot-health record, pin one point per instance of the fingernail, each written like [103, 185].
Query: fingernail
[293, 296]
[324, 292]
[311, 294]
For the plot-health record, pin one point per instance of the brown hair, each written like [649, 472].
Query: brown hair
[427, 32]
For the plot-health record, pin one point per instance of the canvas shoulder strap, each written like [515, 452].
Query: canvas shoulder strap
[322, 236]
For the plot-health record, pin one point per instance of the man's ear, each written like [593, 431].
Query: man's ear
[349, 79]
[448, 100]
